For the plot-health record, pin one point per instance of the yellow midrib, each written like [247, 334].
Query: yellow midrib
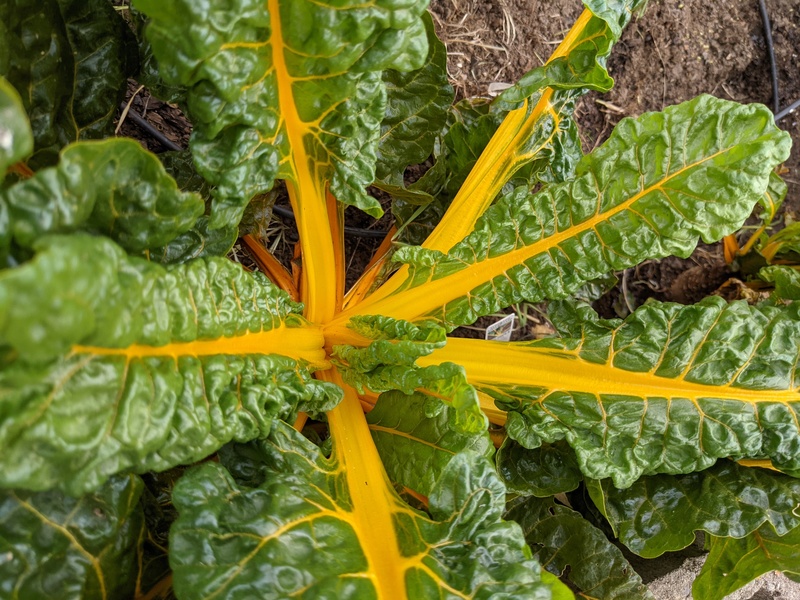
[405, 435]
[308, 193]
[498, 161]
[568, 43]
[489, 408]
[483, 182]
[424, 298]
[372, 498]
[558, 370]
[494, 167]
[300, 343]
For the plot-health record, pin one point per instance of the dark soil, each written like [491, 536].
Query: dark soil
[166, 118]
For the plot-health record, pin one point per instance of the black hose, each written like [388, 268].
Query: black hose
[365, 233]
[150, 129]
[773, 68]
[786, 111]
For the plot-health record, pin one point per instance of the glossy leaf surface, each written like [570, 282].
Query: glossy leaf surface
[283, 521]
[113, 187]
[545, 471]
[285, 89]
[732, 563]
[114, 363]
[289, 90]
[416, 106]
[657, 185]
[55, 546]
[83, 58]
[16, 138]
[670, 390]
[660, 513]
[568, 545]
[786, 281]
[198, 242]
[388, 364]
[418, 435]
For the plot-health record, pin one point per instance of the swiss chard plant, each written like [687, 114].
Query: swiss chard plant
[171, 423]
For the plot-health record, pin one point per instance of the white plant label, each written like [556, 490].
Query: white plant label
[502, 329]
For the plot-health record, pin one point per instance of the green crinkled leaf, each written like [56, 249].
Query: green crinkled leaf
[426, 335]
[198, 242]
[732, 563]
[55, 546]
[616, 13]
[416, 105]
[582, 69]
[415, 208]
[148, 74]
[577, 319]
[660, 513]
[273, 98]
[679, 387]
[559, 164]
[84, 56]
[571, 547]
[470, 126]
[446, 381]
[412, 131]
[542, 472]
[179, 165]
[388, 364]
[786, 280]
[16, 138]
[417, 436]
[85, 390]
[282, 521]
[657, 185]
[786, 246]
[113, 187]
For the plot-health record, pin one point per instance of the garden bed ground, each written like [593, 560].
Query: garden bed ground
[677, 50]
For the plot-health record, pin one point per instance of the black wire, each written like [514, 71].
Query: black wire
[785, 112]
[366, 233]
[148, 127]
[762, 6]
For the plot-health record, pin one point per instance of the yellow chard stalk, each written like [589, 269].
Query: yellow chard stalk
[115, 365]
